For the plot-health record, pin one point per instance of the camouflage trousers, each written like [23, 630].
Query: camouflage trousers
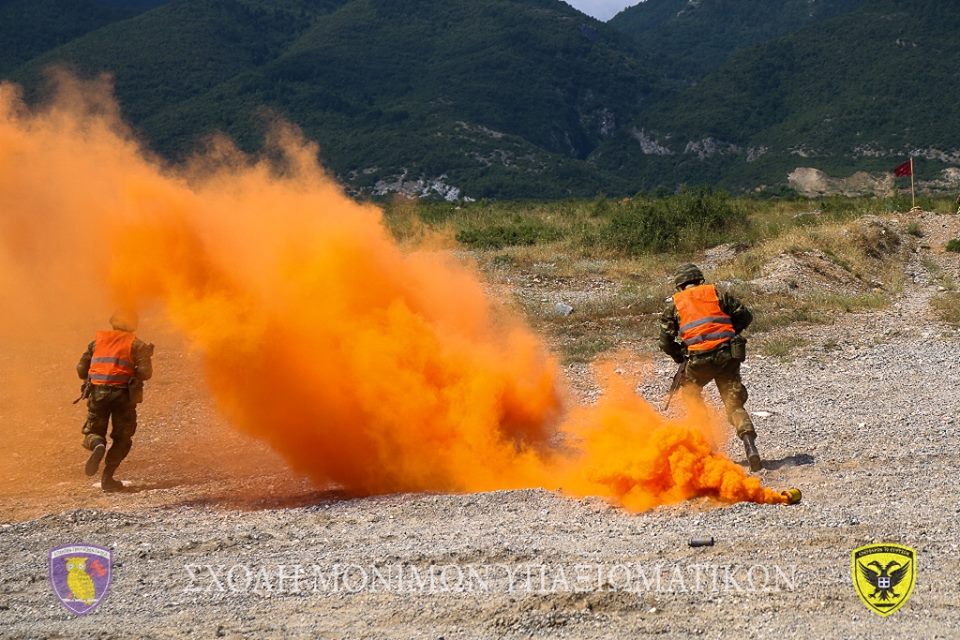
[106, 403]
[719, 367]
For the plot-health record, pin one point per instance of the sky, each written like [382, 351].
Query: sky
[601, 9]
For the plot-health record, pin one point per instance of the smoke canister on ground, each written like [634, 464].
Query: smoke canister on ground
[793, 496]
[706, 541]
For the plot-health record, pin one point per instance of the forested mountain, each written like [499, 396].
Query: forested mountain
[690, 38]
[857, 91]
[521, 98]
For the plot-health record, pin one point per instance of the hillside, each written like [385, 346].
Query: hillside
[29, 28]
[690, 38]
[522, 98]
[508, 97]
[816, 98]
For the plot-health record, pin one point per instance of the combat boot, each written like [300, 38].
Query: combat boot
[107, 482]
[93, 462]
[753, 456]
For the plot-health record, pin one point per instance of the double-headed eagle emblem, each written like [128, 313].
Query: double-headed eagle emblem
[884, 576]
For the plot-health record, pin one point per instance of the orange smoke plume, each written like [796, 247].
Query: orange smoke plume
[369, 366]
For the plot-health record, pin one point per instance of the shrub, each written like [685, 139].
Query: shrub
[521, 232]
[954, 245]
[686, 221]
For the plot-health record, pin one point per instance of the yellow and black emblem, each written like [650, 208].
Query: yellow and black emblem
[884, 576]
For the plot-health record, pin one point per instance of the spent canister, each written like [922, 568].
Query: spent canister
[793, 496]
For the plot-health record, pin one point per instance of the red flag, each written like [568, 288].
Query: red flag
[905, 169]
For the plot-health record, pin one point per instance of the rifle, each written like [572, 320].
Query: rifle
[84, 391]
[676, 384]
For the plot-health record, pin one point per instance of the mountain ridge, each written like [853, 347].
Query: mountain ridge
[525, 98]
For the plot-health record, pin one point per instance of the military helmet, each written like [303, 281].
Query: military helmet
[686, 274]
[124, 320]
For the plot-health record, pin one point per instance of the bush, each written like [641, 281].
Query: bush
[954, 245]
[518, 233]
[688, 220]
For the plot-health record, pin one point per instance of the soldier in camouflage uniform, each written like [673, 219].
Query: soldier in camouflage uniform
[701, 326]
[113, 369]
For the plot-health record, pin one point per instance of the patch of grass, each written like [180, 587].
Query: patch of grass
[954, 245]
[946, 280]
[585, 349]
[766, 318]
[947, 307]
[848, 302]
[914, 229]
[781, 346]
[822, 308]
[869, 251]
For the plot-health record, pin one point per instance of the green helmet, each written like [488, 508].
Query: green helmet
[686, 274]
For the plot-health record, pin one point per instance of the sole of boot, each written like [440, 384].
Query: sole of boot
[93, 462]
[112, 487]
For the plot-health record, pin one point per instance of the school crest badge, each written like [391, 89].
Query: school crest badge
[884, 576]
[80, 575]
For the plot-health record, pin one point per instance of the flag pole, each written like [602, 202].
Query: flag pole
[913, 188]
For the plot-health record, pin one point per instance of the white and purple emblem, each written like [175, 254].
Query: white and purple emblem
[80, 576]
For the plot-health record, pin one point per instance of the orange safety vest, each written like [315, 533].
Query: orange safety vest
[703, 324]
[112, 362]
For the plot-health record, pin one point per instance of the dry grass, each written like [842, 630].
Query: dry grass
[545, 251]
[780, 346]
[864, 250]
[937, 272]
[947, 307]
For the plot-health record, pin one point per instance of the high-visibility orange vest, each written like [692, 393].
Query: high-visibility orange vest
[112, 362]
[703, 324]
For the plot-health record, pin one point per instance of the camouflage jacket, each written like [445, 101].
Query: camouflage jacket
[142, 353]
[669, 340]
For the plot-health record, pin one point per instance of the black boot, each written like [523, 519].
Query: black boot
[107, 483]
[753, 456]
[93, 462]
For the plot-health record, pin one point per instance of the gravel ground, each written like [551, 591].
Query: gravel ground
[868, 431]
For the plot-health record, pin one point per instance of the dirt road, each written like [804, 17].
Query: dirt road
[863, 419]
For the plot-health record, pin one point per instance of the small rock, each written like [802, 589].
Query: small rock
[563, 309]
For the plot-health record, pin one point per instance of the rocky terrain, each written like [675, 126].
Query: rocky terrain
[216, 538]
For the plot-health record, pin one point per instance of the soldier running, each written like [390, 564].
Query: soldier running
[113, 369]
[701, 326]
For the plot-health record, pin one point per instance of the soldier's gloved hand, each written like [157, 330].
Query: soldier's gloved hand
[677, 357]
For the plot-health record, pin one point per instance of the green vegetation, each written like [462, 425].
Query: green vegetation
[506, 99]
[853, 81]
[693, 40]
[519, 232]
[954, 245]
[29, 28]
[780, 346]
[686, 221]
[520, 99]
